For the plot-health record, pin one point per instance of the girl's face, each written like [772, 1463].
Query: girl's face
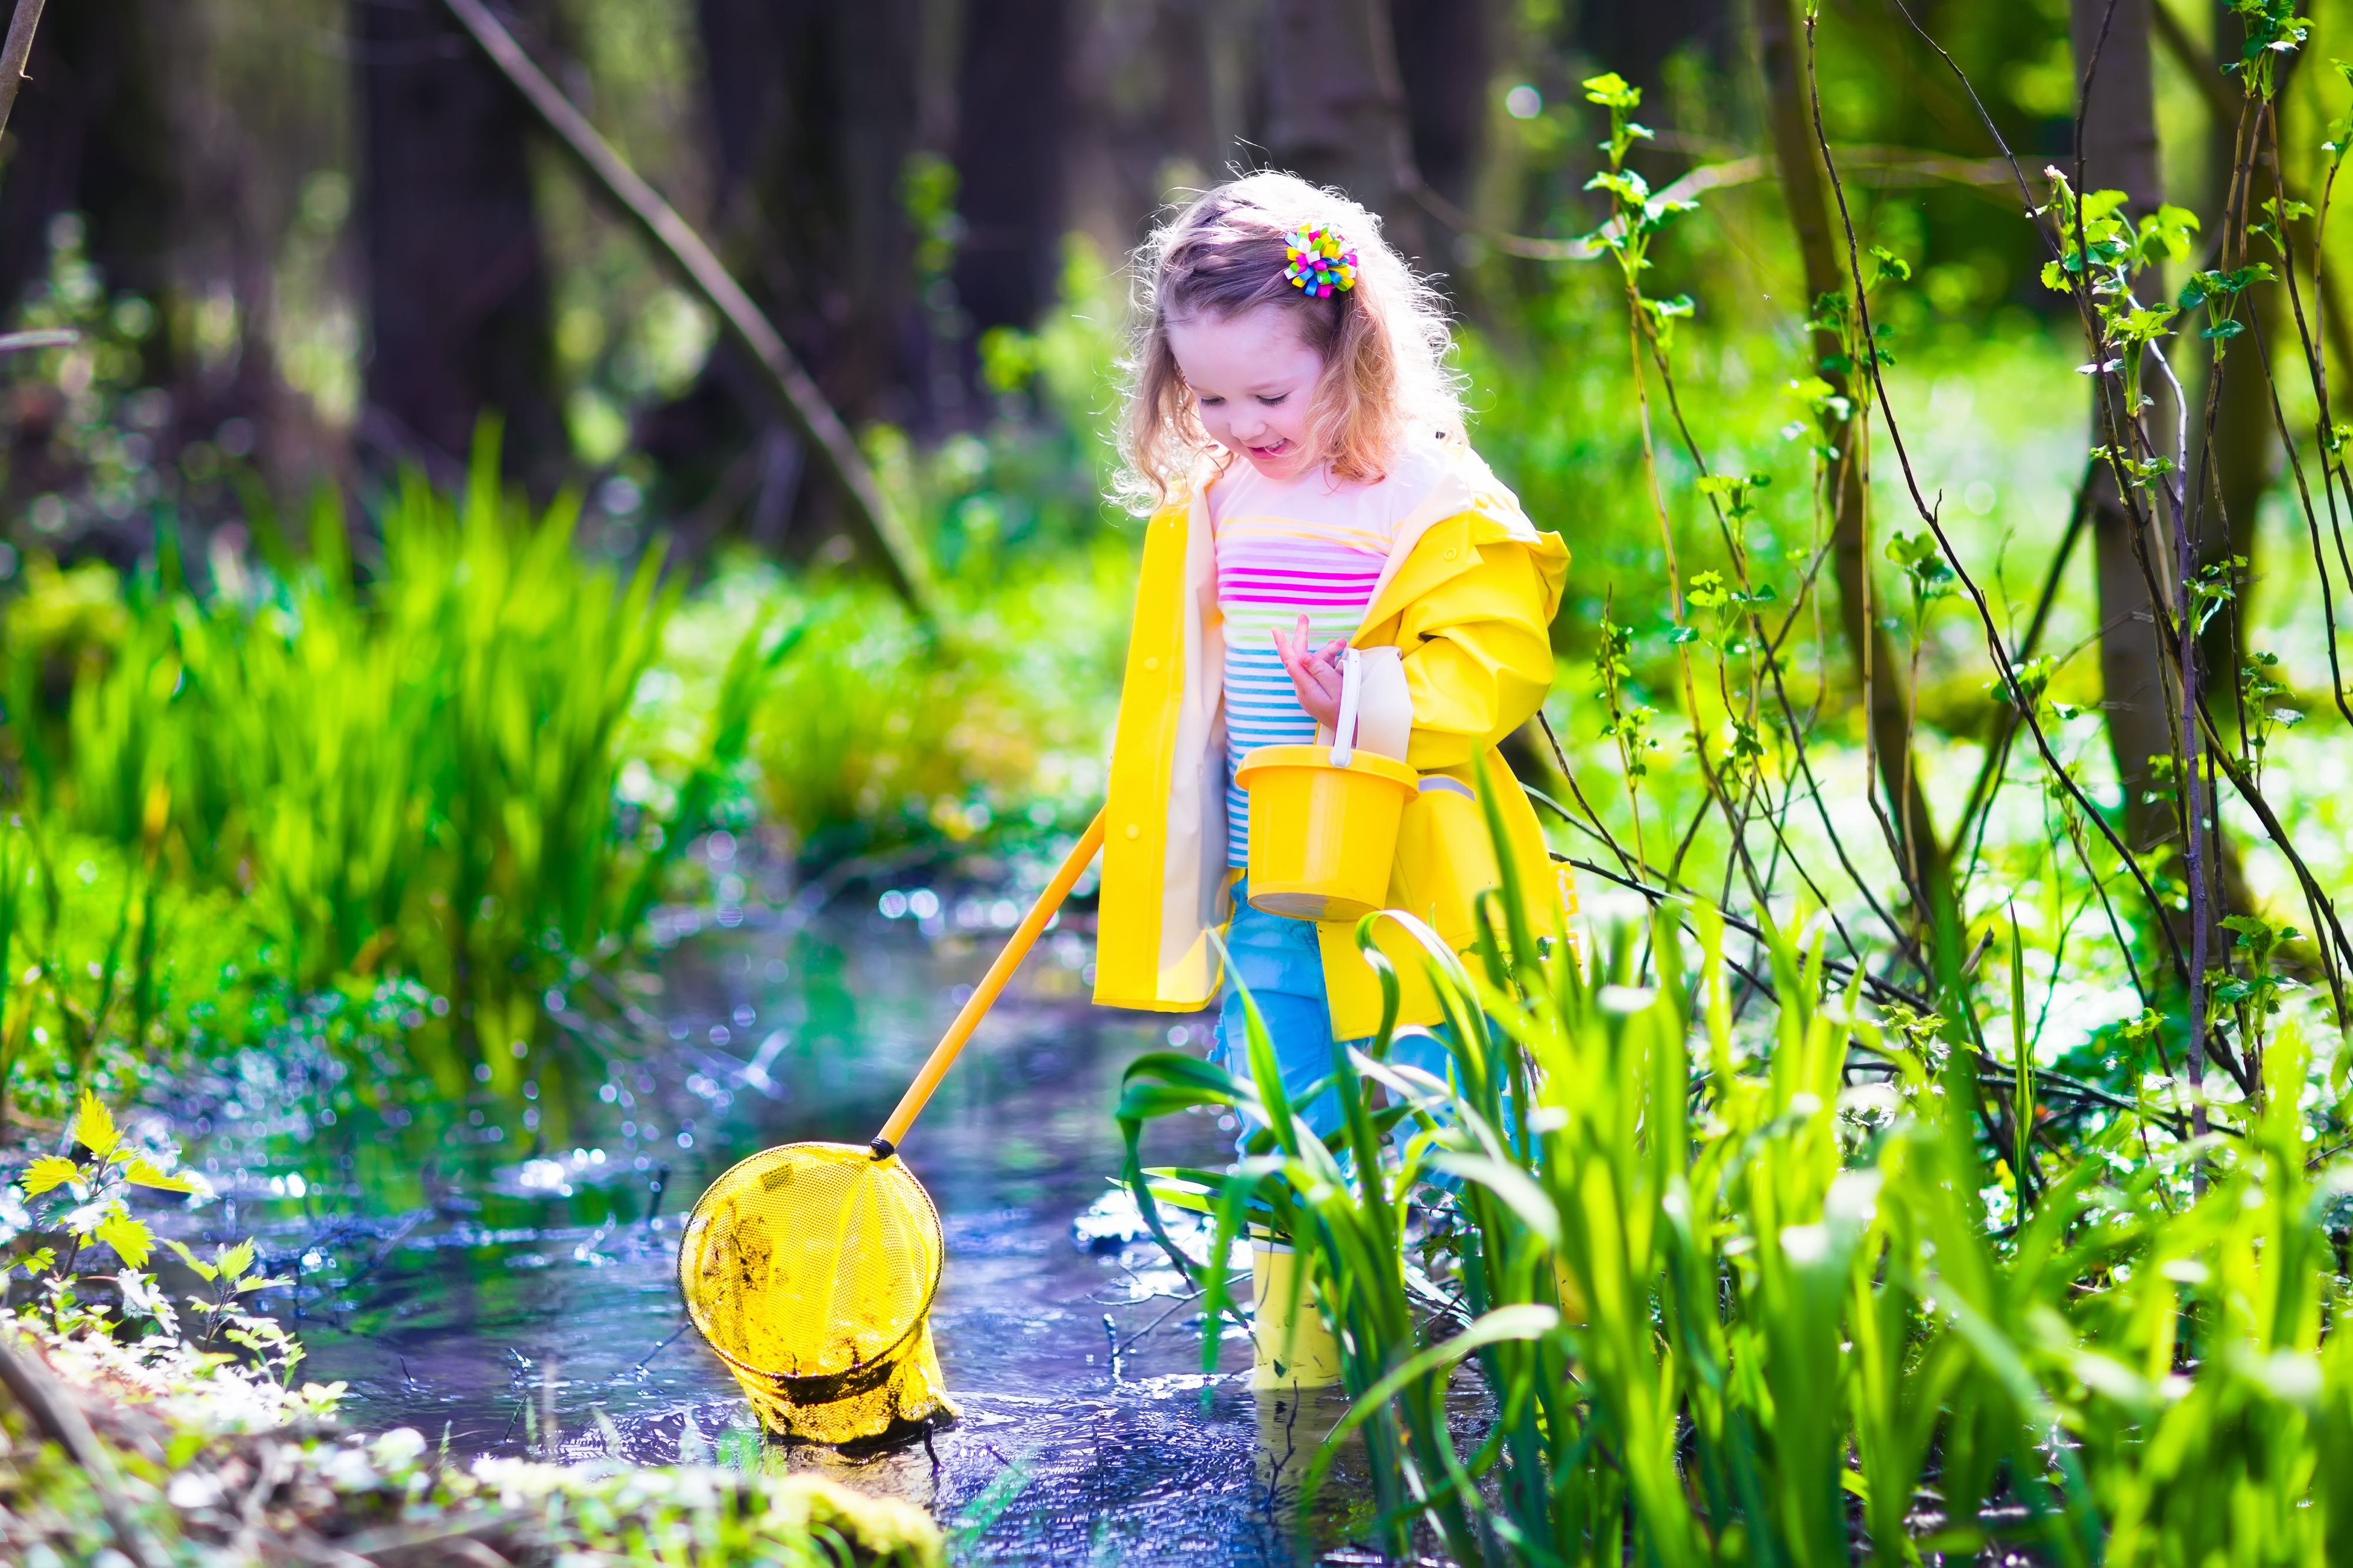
[1252, 378]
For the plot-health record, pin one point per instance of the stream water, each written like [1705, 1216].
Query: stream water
[515, 1301]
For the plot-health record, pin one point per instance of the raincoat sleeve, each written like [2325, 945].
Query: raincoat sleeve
[1478, 659]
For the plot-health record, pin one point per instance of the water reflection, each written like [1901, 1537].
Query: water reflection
[507, 1300]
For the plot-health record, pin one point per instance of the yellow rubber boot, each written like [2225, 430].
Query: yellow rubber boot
[1573, 1309]
[1294, 1349]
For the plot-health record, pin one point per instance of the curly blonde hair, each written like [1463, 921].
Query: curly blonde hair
[1384, 343]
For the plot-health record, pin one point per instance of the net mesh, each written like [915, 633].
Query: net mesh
[810, 1269]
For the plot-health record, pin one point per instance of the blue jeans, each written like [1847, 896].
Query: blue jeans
[1282, 963]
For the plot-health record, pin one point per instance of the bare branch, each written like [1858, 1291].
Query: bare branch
[19, 49]
[675, 240]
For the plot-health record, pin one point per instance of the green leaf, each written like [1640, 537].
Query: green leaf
[1524, 1195]
[131, 1239]
[93, 1126]
[2102, 204]
[235, 1260]
[1524, 1321]
[205, 1271]
[48, 1171]
[1626, 187]
[2167, 231]
[1610, 90]
[145, 1174]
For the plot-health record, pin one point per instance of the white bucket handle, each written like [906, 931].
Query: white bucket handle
[1352, 692]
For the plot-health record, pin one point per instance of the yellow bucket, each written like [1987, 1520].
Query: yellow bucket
[1323, 819]
[1322, 837]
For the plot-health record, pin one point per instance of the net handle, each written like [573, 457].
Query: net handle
[976, 1007]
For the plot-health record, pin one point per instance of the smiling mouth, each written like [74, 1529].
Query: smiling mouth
[1278, 449]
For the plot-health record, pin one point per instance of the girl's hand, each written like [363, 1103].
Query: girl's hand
[1314, 673]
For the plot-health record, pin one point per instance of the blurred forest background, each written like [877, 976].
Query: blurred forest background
[315, 239]
[311, 246]
[428, 598]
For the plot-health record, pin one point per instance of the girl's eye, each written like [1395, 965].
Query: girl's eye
[1211, 402]
[1275, 400]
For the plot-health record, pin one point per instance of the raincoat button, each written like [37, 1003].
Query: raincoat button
[1152, 664]
[1452, 552]
[1134, 831]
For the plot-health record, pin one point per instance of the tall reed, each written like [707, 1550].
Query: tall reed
[412, 773]
[1733, 1290]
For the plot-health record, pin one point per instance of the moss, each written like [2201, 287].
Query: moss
[211, 1462]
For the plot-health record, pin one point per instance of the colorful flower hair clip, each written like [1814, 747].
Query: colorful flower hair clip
[1321, 261]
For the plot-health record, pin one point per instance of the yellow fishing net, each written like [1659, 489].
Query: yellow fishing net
[810, 1269]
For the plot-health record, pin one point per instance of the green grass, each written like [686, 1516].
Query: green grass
[1730, 1263]
[1832, 1196]
[412, 776]
[472, 768]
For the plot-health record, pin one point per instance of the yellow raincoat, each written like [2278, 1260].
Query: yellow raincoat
[1466, 596]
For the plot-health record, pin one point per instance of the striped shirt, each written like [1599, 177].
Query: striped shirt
[1306, 546]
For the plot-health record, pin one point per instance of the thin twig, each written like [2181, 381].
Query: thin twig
[13, 56]
[1928, 515]
[1885, 989]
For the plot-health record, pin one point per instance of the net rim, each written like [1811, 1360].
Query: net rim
[816, 1388]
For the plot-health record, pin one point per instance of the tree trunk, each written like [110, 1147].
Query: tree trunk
[814, 110]
[457, 276]
[2149, 711]
[2120, 152]
[144, 119]
[2242, 456]
[1336, 109]
[816, 107]
[1013, 107]
[2245, 442]
[1444, 53]
[1804, 187]
[92, 133]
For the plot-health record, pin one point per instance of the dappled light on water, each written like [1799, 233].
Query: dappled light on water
[524, 1301]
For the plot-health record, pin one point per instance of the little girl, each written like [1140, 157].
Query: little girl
[1293, 427]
